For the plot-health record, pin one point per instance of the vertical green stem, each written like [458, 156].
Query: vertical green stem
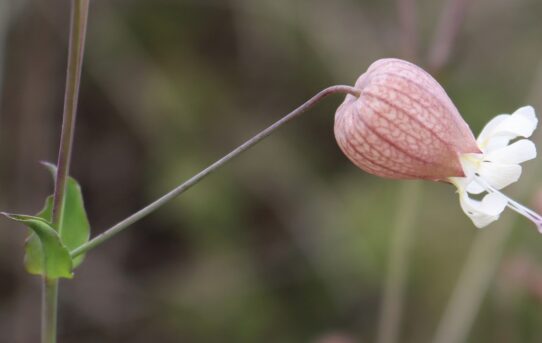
[78, 26]
[73, 77]
[49, 310]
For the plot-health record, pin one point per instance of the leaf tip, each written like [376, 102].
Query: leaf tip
[50, 166]
[9, 215]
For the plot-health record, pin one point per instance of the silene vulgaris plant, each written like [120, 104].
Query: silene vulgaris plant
[396, 122]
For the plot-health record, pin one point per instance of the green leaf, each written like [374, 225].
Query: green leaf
[55, 260]
[33, 258]
[74, 228]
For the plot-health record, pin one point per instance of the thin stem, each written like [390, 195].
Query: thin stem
[78, 27]
[49, 310]
[73, 78]
[205, 172]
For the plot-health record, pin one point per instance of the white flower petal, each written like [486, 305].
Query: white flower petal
[487, 131]
[520, 124]
[505, 127]
[518, 152]
[497, 167]
[528, 113]
[496, 143]
[484, 212]
[475, 188]
[499, 175]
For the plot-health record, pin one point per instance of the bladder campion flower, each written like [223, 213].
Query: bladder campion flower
[403, 125]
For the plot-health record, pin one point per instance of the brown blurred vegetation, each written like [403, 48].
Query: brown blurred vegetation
[288, 243]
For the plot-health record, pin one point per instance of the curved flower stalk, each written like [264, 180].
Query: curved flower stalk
[403, 125]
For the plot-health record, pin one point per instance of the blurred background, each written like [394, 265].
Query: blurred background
[289, 242]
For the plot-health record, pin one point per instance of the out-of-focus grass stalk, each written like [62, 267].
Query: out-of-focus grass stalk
[7, 12]
[408, 33]
[78, 27]
[392, 301]
[483, 259]
[448, 27]
[4, 21]
[477, 273]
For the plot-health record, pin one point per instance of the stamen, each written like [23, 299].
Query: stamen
[513, 205]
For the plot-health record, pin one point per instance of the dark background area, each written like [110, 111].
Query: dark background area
[289, 242]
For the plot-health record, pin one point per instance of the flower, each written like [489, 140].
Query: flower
[403, 125]
[497, 166]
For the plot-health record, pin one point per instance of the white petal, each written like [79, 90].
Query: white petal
[518, 152]
[503, 128]
[520, 124]
[483, 212]
[529, 114]
[475, 188]
[496, 143]
[470, 164]
[487, 131]
[499, 175]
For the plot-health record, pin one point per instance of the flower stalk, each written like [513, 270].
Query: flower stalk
[205, 172]
[78, 26]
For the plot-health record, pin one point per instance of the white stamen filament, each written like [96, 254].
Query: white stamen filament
[512, 204]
